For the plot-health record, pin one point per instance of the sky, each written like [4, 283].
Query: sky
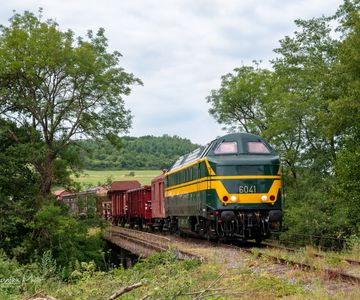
[179, 49]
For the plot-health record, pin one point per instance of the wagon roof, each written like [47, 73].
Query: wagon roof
[124, 185]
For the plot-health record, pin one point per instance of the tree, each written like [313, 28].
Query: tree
[347, 108]
[18, 188]
[147, 152]
[257, 100]
[289, 105]
[61, 86]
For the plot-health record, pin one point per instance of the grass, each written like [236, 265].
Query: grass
[308, 256]
[165, 277]
[93, 178]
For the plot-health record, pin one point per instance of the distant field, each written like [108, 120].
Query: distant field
[94, 178]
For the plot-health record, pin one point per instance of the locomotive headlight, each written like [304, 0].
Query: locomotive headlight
[263, 198]
[233, 198]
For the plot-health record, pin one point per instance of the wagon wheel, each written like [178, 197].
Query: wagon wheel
[161, 228]
[123, 222]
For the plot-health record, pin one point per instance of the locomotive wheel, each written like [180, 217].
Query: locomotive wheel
[182, 233]
[210, 237]
[258, 240]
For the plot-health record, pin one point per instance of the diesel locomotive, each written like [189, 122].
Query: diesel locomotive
[228, 189]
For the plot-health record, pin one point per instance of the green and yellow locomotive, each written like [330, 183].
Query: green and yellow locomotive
[229, 189]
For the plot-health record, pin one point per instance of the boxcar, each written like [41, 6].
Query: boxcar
[117, 196]
[139, 206]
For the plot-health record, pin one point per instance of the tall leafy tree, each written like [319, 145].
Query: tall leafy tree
[256, 100]
[347, 109]
[306, 64]
[62, 86]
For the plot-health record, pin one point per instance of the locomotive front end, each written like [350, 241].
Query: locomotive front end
[245, 192]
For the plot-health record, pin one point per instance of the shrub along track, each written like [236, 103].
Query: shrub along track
[256, 260]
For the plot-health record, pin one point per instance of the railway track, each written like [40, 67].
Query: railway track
[329, 272]
[279, 265]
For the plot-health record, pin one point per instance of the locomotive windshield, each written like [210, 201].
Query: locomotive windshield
[258, 147]
[227, 148]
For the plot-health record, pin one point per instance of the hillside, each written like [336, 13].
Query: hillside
[146, 152]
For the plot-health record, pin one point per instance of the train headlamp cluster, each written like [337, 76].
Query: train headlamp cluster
[263, 198]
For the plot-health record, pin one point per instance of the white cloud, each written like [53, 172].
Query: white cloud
[180, 48]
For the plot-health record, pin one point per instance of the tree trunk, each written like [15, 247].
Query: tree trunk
[46, 170]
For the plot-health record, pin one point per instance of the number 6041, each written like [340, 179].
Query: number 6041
[246, 189]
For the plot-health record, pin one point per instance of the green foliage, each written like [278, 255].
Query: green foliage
[19, 185]
[83, 271]
[162, 274]
[61, 86]
[11, 276]
[147, 152]
[67, 238]
[48, 267]
[18, 279]
[353, 244]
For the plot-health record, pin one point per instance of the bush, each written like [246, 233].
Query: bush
[68, 238]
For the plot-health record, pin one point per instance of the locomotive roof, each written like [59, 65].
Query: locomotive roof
[208, 150]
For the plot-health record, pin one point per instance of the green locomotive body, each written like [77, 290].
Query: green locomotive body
[231, 188]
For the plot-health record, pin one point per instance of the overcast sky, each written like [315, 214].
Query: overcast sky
[179, 48]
